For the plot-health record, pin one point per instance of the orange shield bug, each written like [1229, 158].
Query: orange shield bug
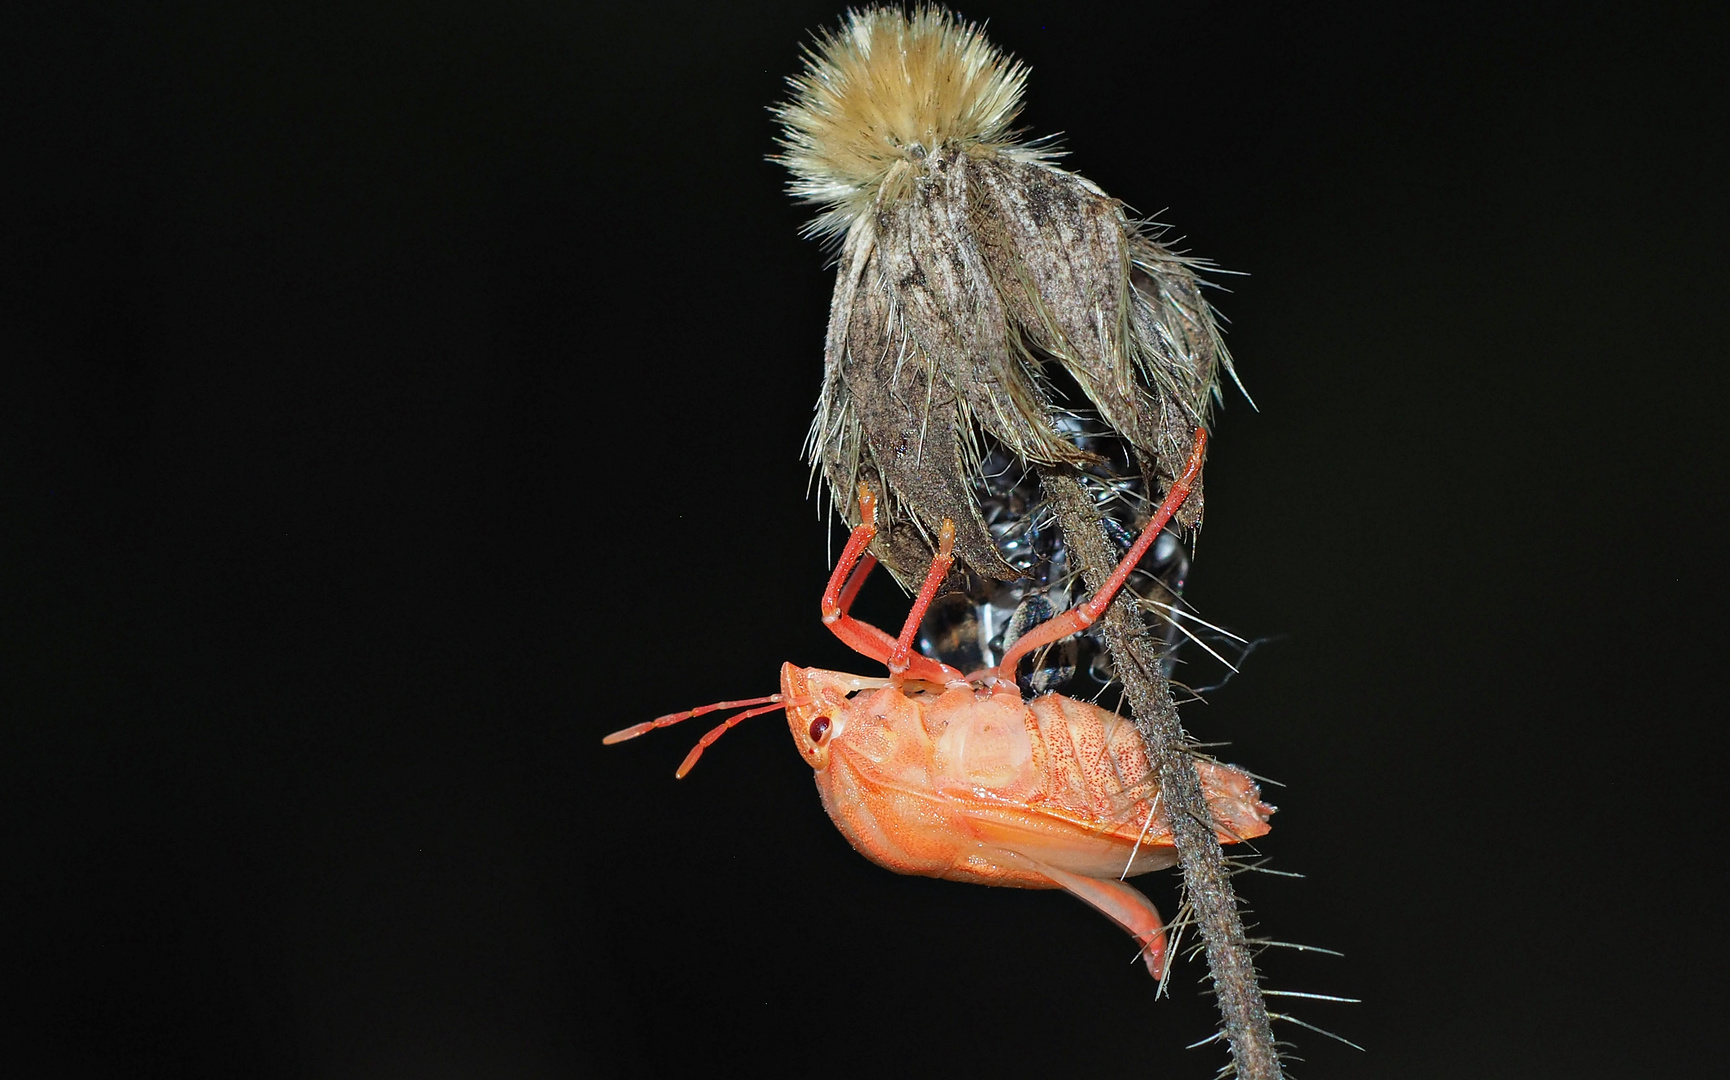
[935, 772]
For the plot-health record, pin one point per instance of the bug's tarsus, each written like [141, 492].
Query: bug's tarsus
[865, 562]
[844, 583]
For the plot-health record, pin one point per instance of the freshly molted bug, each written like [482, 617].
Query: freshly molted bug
[935, 772]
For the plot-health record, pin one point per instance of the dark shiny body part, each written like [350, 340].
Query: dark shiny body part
[972, 627]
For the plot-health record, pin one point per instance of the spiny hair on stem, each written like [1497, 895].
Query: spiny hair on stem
[883, 92]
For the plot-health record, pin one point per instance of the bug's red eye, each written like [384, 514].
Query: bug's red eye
[819, 728]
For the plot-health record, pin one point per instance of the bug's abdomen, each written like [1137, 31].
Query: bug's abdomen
[971, 787]
[1095, 767]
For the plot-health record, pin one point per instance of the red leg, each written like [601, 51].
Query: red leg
[1121, 903]
[901, 658]
[861, 637]
[866, 565]
[844, 583]
[1124, 905]
[1085, 615]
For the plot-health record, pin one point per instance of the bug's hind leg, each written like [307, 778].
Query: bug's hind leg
[1122, 904]
[1085, 615]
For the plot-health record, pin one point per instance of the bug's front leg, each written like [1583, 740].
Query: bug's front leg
[901, 659]
[850, 572]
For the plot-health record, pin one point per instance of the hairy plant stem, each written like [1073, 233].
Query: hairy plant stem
[1243, 1011]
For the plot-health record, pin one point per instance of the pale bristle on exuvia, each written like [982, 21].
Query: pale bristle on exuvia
[890, 87]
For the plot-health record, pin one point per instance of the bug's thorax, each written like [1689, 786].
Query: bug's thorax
[823, 709]
[875, 721]
[886, 735]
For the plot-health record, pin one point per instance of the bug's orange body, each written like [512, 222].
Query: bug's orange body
[934, 773]
[1050, 793]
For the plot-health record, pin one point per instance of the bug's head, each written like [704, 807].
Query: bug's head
[816, 710]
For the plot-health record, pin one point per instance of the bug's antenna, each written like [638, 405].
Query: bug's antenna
[768, 704]
[720, 729]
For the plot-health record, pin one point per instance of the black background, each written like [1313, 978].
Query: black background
[399, 398]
